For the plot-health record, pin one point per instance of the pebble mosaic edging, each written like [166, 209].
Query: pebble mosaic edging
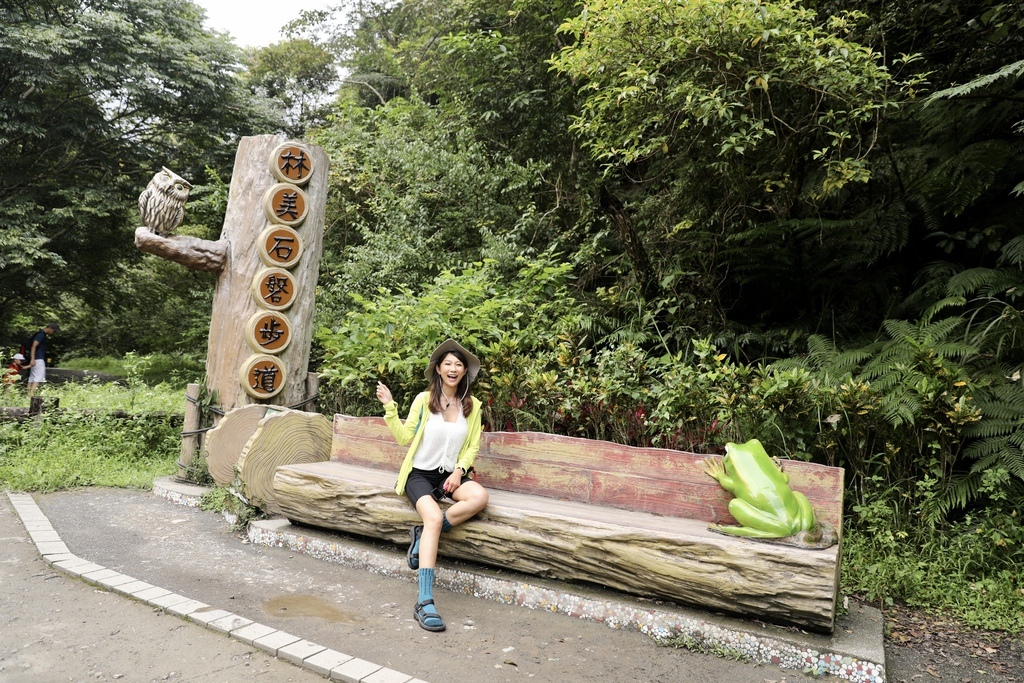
[662, 626]
[701, 636]
[176, 497]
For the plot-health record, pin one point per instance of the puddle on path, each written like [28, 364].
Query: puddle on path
[307, 606]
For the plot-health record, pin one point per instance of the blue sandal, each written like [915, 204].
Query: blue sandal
[422, 616]
[412, 555]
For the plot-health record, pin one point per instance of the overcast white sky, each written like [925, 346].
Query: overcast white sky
[256, 23]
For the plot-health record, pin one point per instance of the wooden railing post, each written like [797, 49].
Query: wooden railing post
[190, 437]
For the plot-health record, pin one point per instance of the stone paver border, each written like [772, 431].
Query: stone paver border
[320, 660]
[806, 653]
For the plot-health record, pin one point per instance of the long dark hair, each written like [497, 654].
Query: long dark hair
[462, 390]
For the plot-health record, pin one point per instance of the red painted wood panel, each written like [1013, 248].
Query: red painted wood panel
[655, 480]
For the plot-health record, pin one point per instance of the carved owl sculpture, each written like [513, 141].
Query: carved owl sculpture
[162, 203]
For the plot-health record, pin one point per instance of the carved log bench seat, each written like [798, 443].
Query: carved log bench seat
[632, 519]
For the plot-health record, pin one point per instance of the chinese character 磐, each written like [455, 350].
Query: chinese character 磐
[294, 162]
[288, 206]
[281, 250]
[269, 332]
[264, 378]
[276, 286]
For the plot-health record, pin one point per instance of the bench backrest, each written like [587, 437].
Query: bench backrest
[657, 480]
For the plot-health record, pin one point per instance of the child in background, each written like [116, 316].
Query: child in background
[12, 375]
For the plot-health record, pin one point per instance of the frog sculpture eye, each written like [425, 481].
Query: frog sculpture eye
[765, 506]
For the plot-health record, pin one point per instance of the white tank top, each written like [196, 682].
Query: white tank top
[441, 443]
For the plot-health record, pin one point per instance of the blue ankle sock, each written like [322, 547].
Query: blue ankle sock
[426, 577]
[445, 524]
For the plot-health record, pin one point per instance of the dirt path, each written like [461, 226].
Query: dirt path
[352, 611]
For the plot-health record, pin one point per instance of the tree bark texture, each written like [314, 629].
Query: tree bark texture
[637, 552]
[225, 442]
[281, 438]
[191, 252]
[189, 442]
[233, 303]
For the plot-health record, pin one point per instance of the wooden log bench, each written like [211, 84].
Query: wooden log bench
[632, 519]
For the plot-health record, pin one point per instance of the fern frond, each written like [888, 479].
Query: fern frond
[969, 281]
[900, 329]
[900, 410]
[823, 355]
[941, 305]
[1013, 70]
[955, 349]
[991, 427]
[939, 330]
[1012, 253]
[961, 491]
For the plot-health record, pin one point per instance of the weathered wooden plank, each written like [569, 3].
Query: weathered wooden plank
[655, 480]
[505, 454]
[640, 553]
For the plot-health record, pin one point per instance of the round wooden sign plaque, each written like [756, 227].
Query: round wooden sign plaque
[291, 163]
[286, 204]
[268, 332]
[274, 289]
[262, 376]
[280, 246]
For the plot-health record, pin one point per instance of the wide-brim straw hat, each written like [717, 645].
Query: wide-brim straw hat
[472, 362]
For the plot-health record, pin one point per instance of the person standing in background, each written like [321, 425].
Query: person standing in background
[37, 357]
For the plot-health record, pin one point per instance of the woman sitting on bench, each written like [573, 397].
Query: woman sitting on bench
[443, 428]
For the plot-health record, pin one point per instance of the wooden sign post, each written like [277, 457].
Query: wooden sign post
[267, 260]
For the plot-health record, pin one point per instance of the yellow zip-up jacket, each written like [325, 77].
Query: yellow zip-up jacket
[410, 430]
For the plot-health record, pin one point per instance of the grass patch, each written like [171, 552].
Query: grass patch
[969, 571]
[176, 369]
[107, 365]
[68, 448]
[221, 499]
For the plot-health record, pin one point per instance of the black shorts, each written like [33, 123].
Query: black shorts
[426, 483]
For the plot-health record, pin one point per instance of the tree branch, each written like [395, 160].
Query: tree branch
[190, 252]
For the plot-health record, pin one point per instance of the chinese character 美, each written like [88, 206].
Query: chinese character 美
[269, 332]
[288, 206]
[294, 162]
[276, 286]
[264, 378]
[281, 250]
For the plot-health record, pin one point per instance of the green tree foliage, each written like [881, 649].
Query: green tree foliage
[94, 98]
[297, 74]
[414, 193]
[729, 132]
[704, 83]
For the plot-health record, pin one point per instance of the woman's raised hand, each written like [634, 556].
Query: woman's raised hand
[383, 393]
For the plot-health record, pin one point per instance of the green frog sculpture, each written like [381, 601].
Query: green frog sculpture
[765, 507]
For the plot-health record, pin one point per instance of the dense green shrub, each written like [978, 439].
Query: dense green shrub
[897, 415]
[84, 444]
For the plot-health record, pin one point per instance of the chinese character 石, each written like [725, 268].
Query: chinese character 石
[269, 332]
[276, 286]
[294, 162]
[288, 206]
[264, 378]
[281, 250]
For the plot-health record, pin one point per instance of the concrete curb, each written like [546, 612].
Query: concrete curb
[331, 664]
[855, 652]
